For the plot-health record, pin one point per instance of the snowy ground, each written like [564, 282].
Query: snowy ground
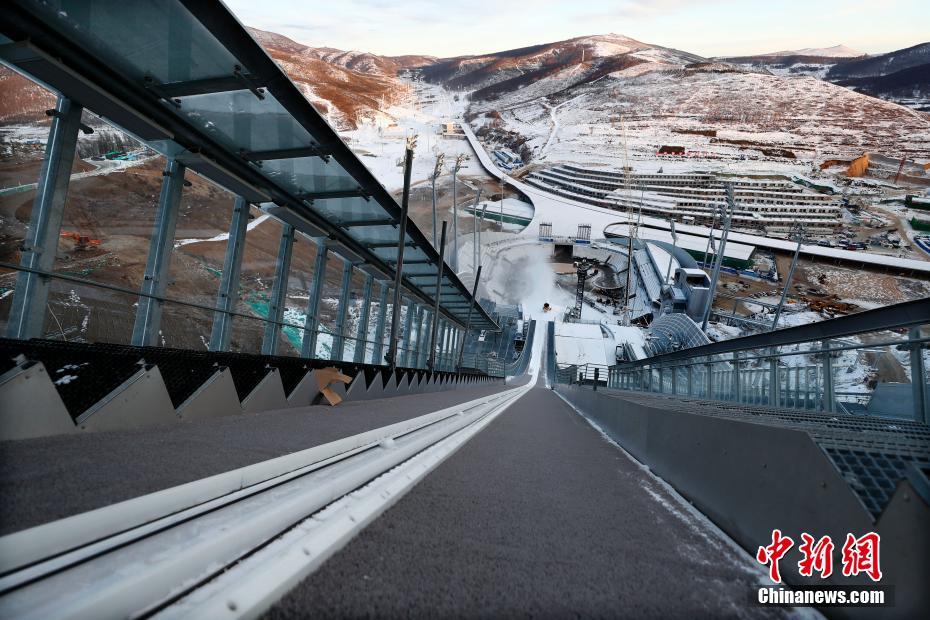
[380, 144]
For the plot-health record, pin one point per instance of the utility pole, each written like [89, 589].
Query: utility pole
[727, 218]
[627, 311]
[454, 263]
[391, 357]
[631, 229]
[476, 233]
[797, 231]
[502, 203]
[710, 236]
[474, 291]
[484, 210]
[668, 269]
[437, 170]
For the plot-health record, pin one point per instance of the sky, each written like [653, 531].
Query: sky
[704, 27]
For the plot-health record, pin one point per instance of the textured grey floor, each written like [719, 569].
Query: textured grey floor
[46, 479]
[538, 515]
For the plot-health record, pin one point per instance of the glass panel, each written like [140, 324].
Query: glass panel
[241, 121]
[340, 209]
[201, 239]
[257, 277]
[84, 313]
[141, 37]
[374, 234]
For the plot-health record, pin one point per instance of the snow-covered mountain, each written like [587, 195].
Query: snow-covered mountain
[902, 76]
[572, 110]
[589, 58]
[349, 87]
[837, 51]
[360, 62]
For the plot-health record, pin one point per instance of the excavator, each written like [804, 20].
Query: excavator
[81, 242]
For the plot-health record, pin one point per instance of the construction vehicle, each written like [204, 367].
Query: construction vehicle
[81, 242]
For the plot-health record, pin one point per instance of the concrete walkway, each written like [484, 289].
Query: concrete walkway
[50, 478]
[538, 515]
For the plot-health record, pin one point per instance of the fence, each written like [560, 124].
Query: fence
[870, 363]
[86, 310]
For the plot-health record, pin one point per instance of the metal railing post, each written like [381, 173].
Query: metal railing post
[378, 345]
[27, 313]
[423, 346]
[147, 326]
[312, 322]
[339, 340]
[737, 378]
[278, 291]
[228, 293]
[918, 377]
[773, 382]
[709, 381]
[828, 395]
[431, 361]
[407, 339]
[361, 336]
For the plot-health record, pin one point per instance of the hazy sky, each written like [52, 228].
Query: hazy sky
[705, 27]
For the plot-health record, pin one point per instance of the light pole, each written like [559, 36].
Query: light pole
[391, 357]
[668, 269]
[437, 170]
[797, 230]
[475, 234]
[459, 159]
[502, 203]
[727, 219]
[480, 222]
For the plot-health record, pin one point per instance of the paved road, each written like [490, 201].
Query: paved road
[538, 515]
[51, 478]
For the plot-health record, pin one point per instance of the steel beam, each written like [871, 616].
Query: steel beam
[378, 347]
[155, 281]
[390, 244]
[312, 322]
[205, 86]
[27, 314]
[828, 393]
[422, 343]
[229, 283]
[339, 339]
[918, 378]
[278, 298]
[362, 223]
[361, 337]
[430, 363]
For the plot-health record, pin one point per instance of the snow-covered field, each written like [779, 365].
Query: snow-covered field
[380, 144]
